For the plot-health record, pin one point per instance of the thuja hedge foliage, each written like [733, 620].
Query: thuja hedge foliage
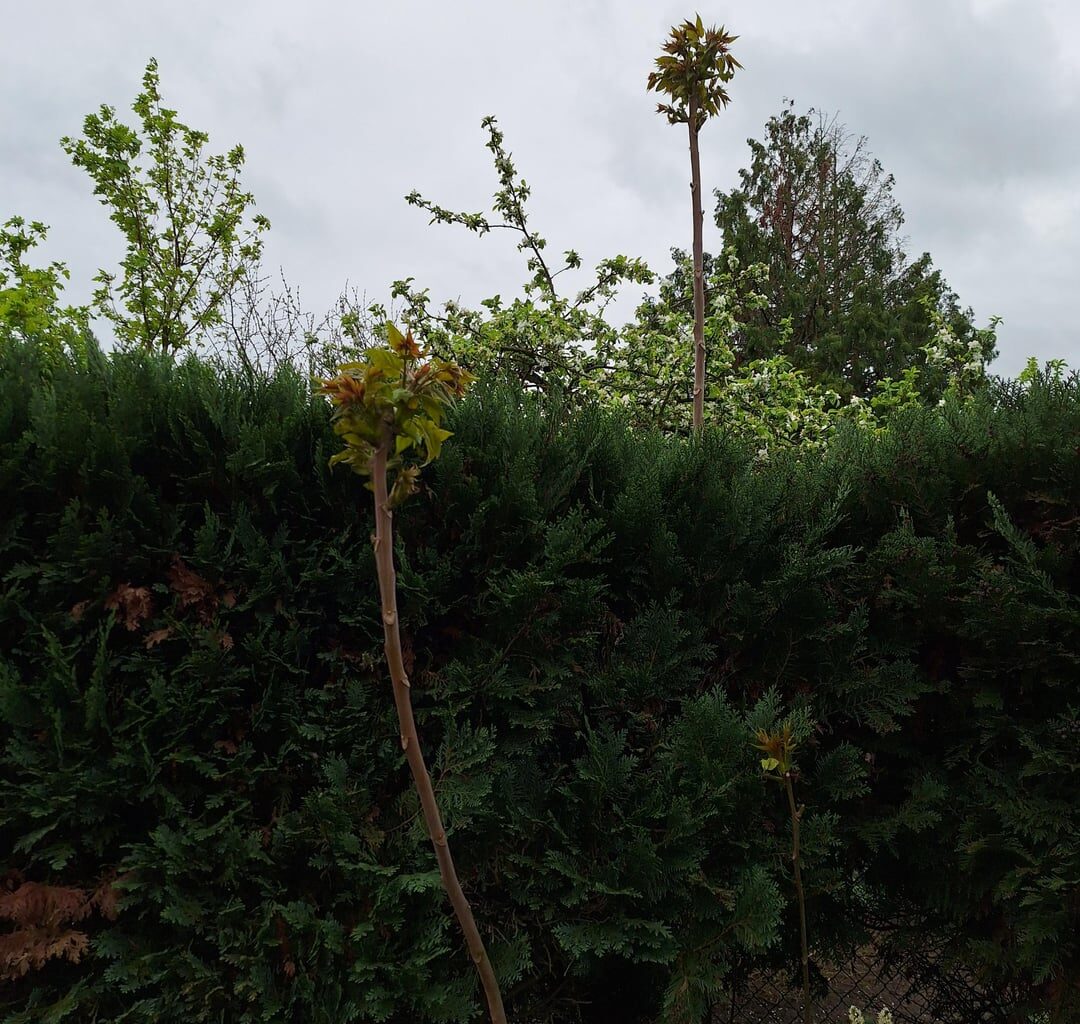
[194, 710]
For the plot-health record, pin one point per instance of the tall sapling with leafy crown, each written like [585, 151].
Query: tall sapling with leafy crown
[693, 70]
[385, 407]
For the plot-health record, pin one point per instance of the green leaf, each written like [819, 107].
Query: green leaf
[433, 439]
[387, 361]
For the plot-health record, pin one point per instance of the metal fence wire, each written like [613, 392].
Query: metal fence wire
[913, 982]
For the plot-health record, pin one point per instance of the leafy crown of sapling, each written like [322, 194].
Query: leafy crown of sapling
[693, 70]
[778, 748]
[398, 395]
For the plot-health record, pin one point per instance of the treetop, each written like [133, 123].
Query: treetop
[694, 68]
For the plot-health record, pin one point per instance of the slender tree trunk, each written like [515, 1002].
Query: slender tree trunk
[699, 276]
[796, 814]
[410, 743]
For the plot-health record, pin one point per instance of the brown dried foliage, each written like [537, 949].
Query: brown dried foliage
[288, 964]
[131, 604]
[156, 636]
[192, 591]
[42, 916]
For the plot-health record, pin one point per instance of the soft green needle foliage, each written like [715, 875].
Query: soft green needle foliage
[817, 210]
[184, 216]
[597, 619]
[394, 392]
[693, 71]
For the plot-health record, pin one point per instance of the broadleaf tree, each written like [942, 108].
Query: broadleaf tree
[30, 306]
[546, 341]
[540, 339]
[190, 238]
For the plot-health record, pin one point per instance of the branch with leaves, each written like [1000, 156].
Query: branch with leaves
[30, 296]
[543, 338]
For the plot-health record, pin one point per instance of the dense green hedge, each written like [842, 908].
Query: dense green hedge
[596, 621]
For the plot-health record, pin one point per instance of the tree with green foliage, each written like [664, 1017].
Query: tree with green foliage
[693, 71]
[768, 401]
[547, 342]
[819, 212]
[30, 308]
[184, 217]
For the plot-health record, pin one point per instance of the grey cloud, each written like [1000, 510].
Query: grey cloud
[343, 109]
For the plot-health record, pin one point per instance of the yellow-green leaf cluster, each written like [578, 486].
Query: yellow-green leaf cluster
[395, 398]
[778, 748]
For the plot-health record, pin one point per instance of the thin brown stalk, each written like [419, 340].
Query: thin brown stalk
[384, 560]
[699, 278]
[796, 815]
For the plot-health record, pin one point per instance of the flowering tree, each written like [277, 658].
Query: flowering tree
[545, 340]
[540, 339]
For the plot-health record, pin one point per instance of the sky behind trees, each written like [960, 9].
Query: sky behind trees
[974, 106]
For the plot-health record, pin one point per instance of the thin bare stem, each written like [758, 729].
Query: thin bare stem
[699, 277]
[796, 815]
[410, 743]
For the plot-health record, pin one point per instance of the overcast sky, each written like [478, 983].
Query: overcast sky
[343, 108]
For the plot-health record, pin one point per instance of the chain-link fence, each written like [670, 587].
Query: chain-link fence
[913, 982]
